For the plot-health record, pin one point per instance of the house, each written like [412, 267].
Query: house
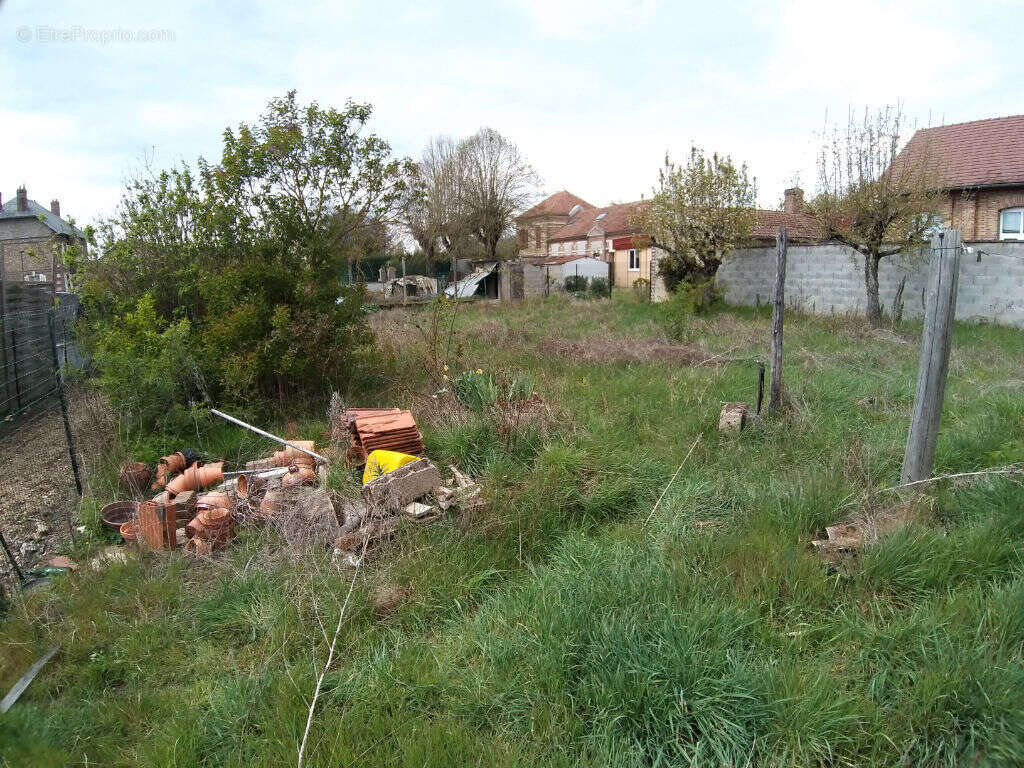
[33, 241]
[564, 228]
[982, 167]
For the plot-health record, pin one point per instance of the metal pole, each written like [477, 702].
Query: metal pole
[59, 380]
[778, 308]
[10, 556]
[14, 358]
[258, 431]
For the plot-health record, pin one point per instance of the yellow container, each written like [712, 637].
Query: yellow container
[381, 462]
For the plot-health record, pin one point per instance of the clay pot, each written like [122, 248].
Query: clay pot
[298, 476]
[135, 477]
[174, 463]
[128, 530]
[197, 477]
[117, 514]
[213, 500]
[215, 526]
[197, 547]
[249, 488]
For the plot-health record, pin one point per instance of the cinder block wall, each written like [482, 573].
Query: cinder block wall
[829, 278]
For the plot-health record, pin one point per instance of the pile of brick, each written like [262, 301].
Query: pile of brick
[389, 429]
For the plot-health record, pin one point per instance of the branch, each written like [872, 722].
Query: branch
[330, 656]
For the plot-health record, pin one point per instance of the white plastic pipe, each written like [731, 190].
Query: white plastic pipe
[259, 431]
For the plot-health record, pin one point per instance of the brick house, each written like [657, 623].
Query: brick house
[982, 165]
[33, 240]
[564, 226]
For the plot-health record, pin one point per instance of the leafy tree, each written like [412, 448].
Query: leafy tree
[251, 251]
[872, 198]
[698, 213]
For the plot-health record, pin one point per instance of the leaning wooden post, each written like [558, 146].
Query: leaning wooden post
[778, 306]
[936, 340]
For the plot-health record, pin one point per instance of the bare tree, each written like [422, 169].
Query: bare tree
[871, 197]
[497, 183]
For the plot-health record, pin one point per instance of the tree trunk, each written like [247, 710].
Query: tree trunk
[874, 308]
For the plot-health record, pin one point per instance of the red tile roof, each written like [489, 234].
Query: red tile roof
[976, 154]
[799, 226]
[558, 204]
[615, 221]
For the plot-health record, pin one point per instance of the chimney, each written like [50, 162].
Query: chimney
[55, 208]
[794, 200]
[22, 199]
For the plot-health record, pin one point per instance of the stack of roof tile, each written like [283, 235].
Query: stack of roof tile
[389, 429]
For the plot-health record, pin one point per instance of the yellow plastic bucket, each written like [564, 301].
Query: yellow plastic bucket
[381, 462]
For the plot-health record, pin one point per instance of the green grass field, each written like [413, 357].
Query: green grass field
[565, 624]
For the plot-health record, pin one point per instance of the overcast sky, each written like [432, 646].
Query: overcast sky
[594, 92]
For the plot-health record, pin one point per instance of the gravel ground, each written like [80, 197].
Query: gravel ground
[37, 486]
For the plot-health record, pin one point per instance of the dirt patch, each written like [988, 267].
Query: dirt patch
[612, 349]
[37, 487]
[37, 490]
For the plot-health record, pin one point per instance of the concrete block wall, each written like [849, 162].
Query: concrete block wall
[829, 278]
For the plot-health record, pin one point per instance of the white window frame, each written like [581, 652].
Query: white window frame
[634, 256]
[1019, 234]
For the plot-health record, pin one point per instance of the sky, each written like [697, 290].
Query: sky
[593, 92]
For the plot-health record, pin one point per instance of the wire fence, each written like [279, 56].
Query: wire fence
[40, 482]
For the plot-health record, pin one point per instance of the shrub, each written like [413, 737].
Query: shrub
[246, 251]
[599, 287]
[576, 283]
[642, 289]
[147, 369]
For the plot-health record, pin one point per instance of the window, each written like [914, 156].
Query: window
[634, 260]
[1011, 224]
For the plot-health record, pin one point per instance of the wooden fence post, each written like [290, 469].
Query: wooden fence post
[936, 340]
[778, 307]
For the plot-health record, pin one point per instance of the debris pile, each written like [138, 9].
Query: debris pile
[199, 506]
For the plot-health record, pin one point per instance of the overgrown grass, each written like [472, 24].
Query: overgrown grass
[565, 624]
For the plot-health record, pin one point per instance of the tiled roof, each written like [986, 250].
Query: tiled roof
[976, 154]
[558, 204]
[35, 210]
[614, 221]
[799, 226]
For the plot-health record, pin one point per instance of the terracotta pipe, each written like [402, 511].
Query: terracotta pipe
[196, 477]
[213, 500]
[298, 475]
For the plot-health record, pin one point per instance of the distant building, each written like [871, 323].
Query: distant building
[982, 164]
[33, 241]
[564, 227]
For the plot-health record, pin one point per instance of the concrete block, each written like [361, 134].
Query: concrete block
[396, 489]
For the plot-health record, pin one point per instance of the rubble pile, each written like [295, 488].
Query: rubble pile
[199, 507]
